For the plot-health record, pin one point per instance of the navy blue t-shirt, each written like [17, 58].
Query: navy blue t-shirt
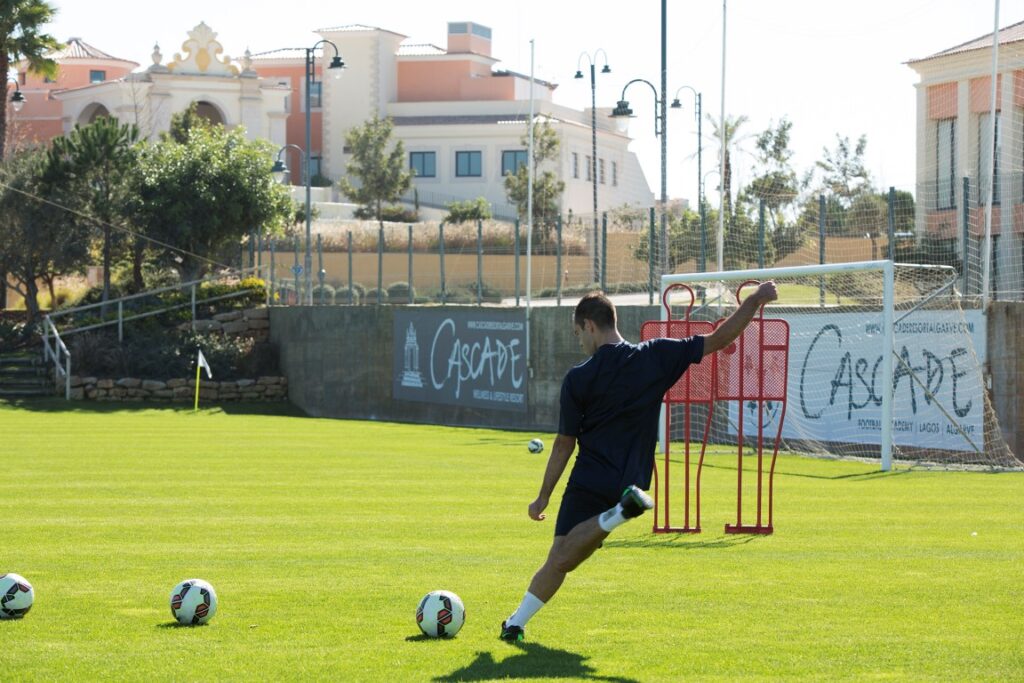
[611, 402]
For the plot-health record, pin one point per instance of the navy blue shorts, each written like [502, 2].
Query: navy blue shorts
[579, 505]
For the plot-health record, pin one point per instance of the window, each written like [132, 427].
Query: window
[600, 171]
[97, 76]
[988, 147]
[286, 82]
[945, 166]
[590, 168]
[511, 160]
[423, 164]
[314, 166]
[315, 92]
[615, 174]
[467, 164]
[575, 165]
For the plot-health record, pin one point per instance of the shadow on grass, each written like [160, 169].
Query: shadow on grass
[873, 473]
[681, 542]
[532, 661]
[59, 405]
[175, 624]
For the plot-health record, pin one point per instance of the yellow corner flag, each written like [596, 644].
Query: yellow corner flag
[201, 364]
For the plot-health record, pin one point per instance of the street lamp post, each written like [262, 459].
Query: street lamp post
[623, 113]
[280, 171]
[676, 104]
[338, 64]
[17, 98]
[17, 102]
[593, 139]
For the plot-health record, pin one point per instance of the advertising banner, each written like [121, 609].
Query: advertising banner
[464, 357]
[835, 372]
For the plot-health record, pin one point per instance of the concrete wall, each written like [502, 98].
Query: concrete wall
[338, 361]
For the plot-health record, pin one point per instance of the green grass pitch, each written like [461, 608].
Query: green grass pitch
[320, 537]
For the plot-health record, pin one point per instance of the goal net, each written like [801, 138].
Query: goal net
[885, 362]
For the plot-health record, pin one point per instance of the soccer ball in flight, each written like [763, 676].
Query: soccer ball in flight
[440, 614]
[535, 446]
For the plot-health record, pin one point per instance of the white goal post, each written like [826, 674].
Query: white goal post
[855, 330]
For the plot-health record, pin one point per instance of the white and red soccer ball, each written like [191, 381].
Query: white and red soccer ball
[193, 602]
[440, 614]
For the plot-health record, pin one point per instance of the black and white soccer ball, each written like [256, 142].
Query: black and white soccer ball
[535, 446]
[440, 614]
[193, 601]
[16, 596]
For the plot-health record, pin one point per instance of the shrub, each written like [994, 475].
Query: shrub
[162, 355]
[374, 295]
[393, 213]
[469, 210]
[320, 181]
[328, 294]
[401, 292]
[341, 296]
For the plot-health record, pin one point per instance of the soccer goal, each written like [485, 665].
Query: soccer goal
[886, 363]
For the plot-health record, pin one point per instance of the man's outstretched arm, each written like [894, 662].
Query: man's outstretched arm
[561, 451]
[734, 325]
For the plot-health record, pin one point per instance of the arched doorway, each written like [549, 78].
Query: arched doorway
[210, 112]
[91, 113]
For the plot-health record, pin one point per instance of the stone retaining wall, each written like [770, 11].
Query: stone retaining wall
[252, 322]
[132, 389]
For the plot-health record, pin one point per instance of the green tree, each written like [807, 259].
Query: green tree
[97, 162]
[378, 165]
[182, 124]
[742, 245]
[775, 181]
[22, 38]
[843, 171]
[547, 188]
[204, 195]
[38, 239]
[683, 239]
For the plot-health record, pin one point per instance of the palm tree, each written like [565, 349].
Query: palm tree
[732, 139]
[22, 38]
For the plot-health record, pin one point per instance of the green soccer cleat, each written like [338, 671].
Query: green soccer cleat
[635, 502]
[512, 634]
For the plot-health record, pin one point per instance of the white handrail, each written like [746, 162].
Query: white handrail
[59, 349]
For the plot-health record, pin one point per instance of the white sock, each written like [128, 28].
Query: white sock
[611, 518]
[530, 605]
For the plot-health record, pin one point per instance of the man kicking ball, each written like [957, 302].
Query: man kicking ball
[610, 405]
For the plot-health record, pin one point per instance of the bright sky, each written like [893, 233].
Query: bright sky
[829, 67]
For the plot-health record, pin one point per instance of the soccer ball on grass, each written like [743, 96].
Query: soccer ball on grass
[16, 596]
[193, 602]
[440, 614]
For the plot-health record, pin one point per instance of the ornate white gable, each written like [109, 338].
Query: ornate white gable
[202, 55]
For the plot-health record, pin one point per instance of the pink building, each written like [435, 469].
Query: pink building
[956, 150]
[78, 64]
